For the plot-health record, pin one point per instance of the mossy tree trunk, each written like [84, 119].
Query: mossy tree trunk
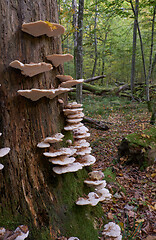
[30, 193]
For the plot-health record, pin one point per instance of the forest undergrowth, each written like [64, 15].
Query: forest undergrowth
[133, 203]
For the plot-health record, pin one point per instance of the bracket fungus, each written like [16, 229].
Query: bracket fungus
[73, 105]
[71, 127]
[86, 160]
[1, 166]
[58, 59]
[60, 152]
[83, 151]
[53, 139]
[35, 94]
[68, 111]
[73, 238]
[31, 69]
[76, 120]
[4, 151]
[39, 28]
[91, 199]
[78, 115]
[96, 175]
[72, 167]
[112, 231]
[71, 83]
[64, 78]
[62, 160]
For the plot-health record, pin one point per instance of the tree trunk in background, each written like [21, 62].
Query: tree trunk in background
[75, 27]
[30, 192]
[95, 41]
[79, 61]
[103, 57]
[151, 54]
[134, 47]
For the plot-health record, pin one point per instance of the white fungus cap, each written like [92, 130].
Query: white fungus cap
[60, 152]
[62, 160]
[70, 127]
[87, 160]
[31, 69]
[92, 199]
[0, 134]
[1, 166]
[96, 183]
[76, 120]
[83, 151]
[112, 230]
[71, 83]
[78, 115]
[80, 144]
[35, 94]
[43, 145]
[58, 59]
[96, 175]
[72, 167]
[104, 194]
[73, 105]
[64, 78]
[4, 151]
[39, 28]
[81, 136]
[68, 111]
[55, 138]
[81, 130]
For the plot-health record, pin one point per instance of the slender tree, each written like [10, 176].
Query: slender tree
[134, 47]
[79, 55]
[95, 40]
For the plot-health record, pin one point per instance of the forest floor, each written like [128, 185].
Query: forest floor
[133, 204]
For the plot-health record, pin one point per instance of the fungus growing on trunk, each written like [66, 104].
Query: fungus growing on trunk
[35, 94]
[96, 175]
[1, 166]
[72, 167]
[72, 111]
[60, 152]
[39, 28]
[64, 78]
[4, 151]
[86, 160]
[58, 59]
[31, 69]
[71, 127]
[73, 105]
[71, 83]
[53, 139]
[62, 160]
[92, 199]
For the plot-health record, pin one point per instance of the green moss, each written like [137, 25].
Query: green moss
[145, 139]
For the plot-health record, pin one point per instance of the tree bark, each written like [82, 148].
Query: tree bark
[79, 60]
[30, 192]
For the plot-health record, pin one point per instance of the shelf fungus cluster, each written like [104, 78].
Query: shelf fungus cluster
[74, 116]
[111, 231]
[3, 152]
[100, 194]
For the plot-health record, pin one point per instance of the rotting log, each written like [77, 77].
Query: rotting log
[30, 192]
[96, 123]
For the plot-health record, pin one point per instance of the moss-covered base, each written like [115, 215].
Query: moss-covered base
[64, 217]
[139, 148]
